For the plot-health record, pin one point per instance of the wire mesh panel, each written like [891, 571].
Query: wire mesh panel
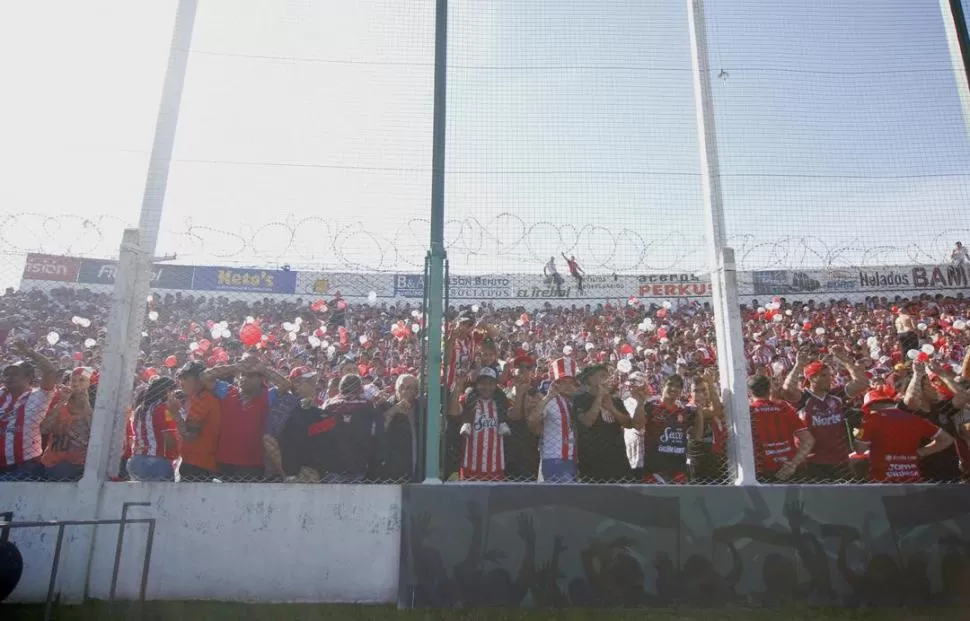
[843, 151]
[574, 235]
[281, 339]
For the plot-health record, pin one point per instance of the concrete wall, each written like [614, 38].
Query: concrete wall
[250, 542]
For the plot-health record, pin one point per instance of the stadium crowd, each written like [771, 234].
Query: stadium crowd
[327, 391]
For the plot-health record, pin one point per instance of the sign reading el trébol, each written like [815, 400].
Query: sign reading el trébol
[50, 267]
[252, 280]
[98, 272]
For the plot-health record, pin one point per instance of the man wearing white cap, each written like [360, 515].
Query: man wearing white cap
[552, 421]
[483, 453]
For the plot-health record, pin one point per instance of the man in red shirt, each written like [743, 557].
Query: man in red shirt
[822, 409]
[776, 428]
[239, 452]
[893, 437]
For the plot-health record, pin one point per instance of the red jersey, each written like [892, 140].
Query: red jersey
[148, 433]
[895, 435]
[20, 421]
[825, 418]
[241, 431]
[484, 453]
[774, 425]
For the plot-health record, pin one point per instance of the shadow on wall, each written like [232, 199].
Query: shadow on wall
[632, 547]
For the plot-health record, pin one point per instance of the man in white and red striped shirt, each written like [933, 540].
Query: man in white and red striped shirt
[483, 452]
[23, 408]
[552, 421]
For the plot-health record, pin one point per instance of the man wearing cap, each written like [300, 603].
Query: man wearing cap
[483, 452]
[894, 437]
[776, 428]
[199, 416]
[552, 421]
[602, 418]
[822, 408]
[305, 449]
[461, 347]
[23, 408]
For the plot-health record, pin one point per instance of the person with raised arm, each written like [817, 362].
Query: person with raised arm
[553, 422]
[25, 399]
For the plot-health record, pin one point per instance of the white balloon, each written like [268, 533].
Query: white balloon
[664, 340]
[872, 341]
[298, 321]
[416, 313]
[921, 327]
[820, 331]
[84, 322]
[960, 324]
[415, 328]
[624, 366]
[89, 343]
[372, 297]
[150, 298]
[777, 318]
[761, 310]
[362, 339]
[666, 304]
[313, 341]
[590, 347]
[475, 308]
[216, 332]
[788, 312]
[290, 327]
[911, 354]
[331, 351]
[324, 344]
[52, 338]
[291, 336]
[224, 324]
[567, 350]
[616, 340]
[193, 346]
[226, 333]
[250, 320]
[875, 354]
[519, 323]
[525, 346]
[928, 349]
[153, 316]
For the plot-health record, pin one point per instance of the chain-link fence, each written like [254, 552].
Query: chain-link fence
[285, 336]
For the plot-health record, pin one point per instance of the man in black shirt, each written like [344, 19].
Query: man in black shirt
[602, 418]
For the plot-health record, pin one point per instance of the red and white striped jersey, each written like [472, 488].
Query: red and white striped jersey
[484, 448]
[20, 421]
[558, 440]
[460, 359]
[148, 432]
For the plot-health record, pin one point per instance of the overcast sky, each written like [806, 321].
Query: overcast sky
[305, 134]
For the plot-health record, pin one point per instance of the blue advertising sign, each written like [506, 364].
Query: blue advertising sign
[98, 272]
[235, 279]
[409, 286]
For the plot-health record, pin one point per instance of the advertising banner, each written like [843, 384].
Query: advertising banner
[674, 286]
[929, 277]
[595, 286]
[244, 280]
[349, 285]
[50, 267]
[98, 272]
[498, 287]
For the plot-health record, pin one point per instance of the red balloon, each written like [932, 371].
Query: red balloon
[78, 356]
[319, 306]
[171, 362]
[626, 349]
[204, 345]
[661, 313]
[148, 373]
[250, 334]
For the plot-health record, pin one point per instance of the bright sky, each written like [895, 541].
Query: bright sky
[305, 133]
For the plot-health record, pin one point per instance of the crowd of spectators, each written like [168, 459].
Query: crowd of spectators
[326, 391]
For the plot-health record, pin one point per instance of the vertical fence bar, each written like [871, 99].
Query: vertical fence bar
[49, 604]
[958, 42]
[727, 315]
[435, 314]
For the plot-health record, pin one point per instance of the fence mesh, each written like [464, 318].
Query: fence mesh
[284, 338]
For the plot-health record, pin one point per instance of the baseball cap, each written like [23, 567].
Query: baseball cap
[486, 372]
